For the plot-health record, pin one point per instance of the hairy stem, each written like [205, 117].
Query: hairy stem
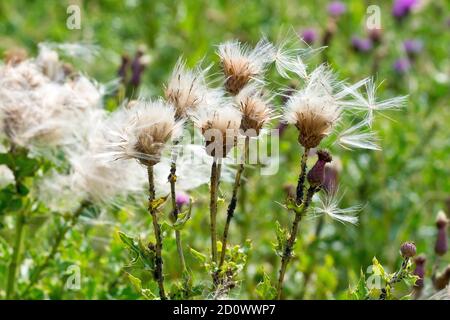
[157, 229]
[301, 177]
[215, 174]
[35, 277]
[287, 254]
[233, 202]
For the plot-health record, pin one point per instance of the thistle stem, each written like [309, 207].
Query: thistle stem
[55, 247]
[172, 180]
[233, 202]
[19, 235]
[298, 216]
[301, 178]
[215, 174]
[18, 242]
[157, 229]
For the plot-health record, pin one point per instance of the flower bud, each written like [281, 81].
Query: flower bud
[408, 250]
[420, 270]
[182, 199]
[331, 181]
[316, 176]
[441, 245]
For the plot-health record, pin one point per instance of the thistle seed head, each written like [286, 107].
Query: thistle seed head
[255, 110]
[241, 64]
[220, 128]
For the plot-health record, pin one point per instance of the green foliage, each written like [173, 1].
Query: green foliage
[401, 187]
[265, 290]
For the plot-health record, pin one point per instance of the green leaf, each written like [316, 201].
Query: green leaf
[265, 290]
[378, 268]
[198, 255]
[360, 292]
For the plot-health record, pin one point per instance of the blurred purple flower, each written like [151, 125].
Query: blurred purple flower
[336, 8]
[413, 46]
[401, 8]
[420, 270]
[375, 34]
[402, 65]
[309, 35]
[362, 44]
[182, 199]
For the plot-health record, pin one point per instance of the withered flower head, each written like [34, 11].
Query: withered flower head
[314, 110]
[255, 109]
[220, 127]
[240, 64]
[149, 126]
[187, 89]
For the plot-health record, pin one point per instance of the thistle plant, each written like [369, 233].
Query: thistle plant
[317, 110]
[256, 112]
[43, 104]
[220, 128]
[383, 285]
[149, 126]
[187, 90]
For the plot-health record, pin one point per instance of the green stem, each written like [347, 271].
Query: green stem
[55, 247]
[157, 229]
[19, 234]
[18, 242]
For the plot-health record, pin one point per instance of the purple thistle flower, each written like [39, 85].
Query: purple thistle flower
[122, 72]
[401, 8]
[408, 249]
[316, 176]
[401, 65]
[413, 47]
[361, 44]
[441, 245]
[309, 35]
[331, 179]
[375, 34]
[420, 270]
[182, 199]
[336, 8]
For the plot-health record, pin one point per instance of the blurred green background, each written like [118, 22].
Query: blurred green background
[401, 187]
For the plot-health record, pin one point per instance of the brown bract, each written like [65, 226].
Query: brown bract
[312, 128]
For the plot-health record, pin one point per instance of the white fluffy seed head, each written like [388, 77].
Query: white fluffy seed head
[38, 111]
[220, 127]
[255, 108]
[186, 89]
[314, 109]
[144, 129]
[241, 64]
